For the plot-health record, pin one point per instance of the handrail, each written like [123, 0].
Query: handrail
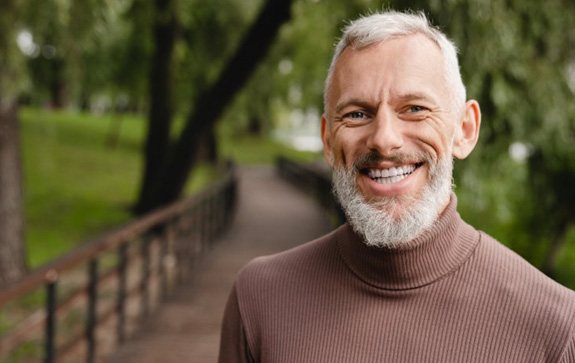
[314, 179]
[172, 236]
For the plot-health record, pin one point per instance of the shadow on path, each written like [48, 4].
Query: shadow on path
[272, 216]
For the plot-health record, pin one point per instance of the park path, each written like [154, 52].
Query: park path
[271, 216]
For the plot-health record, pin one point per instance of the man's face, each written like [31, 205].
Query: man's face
[389, 116]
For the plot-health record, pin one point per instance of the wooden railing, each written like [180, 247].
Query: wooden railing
[94, 297]
[315, 180]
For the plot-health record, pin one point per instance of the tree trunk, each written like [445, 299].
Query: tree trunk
[160, 113]
[57, 85]
[255, 125]
[12, 252]
[211, 104]
[208, 152]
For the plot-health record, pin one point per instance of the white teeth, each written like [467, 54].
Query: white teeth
[391, 175]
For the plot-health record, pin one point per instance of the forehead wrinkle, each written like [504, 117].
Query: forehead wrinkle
[362, 89]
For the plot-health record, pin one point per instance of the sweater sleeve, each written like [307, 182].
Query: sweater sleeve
[233, 344]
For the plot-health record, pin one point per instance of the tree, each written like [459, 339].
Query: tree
[160, 93]
[209, 105]
[12, 256]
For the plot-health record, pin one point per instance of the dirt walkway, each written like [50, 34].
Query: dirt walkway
[271, 216]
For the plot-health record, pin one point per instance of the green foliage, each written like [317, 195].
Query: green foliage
[11, 71]
[564, 268]
[85, 50]
[515, 57]
[209, 36]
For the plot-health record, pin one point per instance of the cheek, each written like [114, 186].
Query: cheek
[436, 138]
[347, 145]
[340, 151]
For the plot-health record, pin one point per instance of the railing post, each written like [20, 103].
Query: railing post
[182, 247]
[164, 236]
[91, 317]
[50, 328]
[145, 279]
[213, 218]
[203, 224]
[208, 221]
[196, 230]
[122, 291]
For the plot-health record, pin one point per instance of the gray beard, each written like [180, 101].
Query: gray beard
[394, 222]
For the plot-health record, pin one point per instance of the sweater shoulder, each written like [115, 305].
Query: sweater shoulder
[514, 268]
[289, 264]
[517, 294]
[533, 292]
[266, 284]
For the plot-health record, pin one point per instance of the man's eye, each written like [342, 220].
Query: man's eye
[416, 108]
[356, 115]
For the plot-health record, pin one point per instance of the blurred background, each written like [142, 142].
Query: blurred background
[112, 108]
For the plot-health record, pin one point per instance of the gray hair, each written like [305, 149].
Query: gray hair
[380, 27]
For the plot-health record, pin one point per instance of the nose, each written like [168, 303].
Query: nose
[385, 135]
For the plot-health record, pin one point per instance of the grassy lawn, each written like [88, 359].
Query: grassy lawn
[82, 172]
[76, 183]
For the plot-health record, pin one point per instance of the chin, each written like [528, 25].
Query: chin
[394, 220]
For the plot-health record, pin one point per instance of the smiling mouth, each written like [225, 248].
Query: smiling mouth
[390, 175]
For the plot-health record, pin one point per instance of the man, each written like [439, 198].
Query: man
[407, 280]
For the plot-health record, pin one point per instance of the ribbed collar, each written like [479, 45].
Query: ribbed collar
[434, 254]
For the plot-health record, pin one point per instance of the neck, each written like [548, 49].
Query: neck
[426, 258]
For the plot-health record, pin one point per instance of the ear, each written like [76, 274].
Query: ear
[467, 131]
[326, 139]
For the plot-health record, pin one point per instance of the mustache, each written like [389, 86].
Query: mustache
[373, 157]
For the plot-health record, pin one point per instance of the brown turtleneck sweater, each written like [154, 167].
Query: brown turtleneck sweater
[458, 296]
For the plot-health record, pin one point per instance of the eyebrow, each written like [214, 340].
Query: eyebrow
[352, 101]
[411, 96]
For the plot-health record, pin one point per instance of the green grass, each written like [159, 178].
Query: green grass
[77, 184]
